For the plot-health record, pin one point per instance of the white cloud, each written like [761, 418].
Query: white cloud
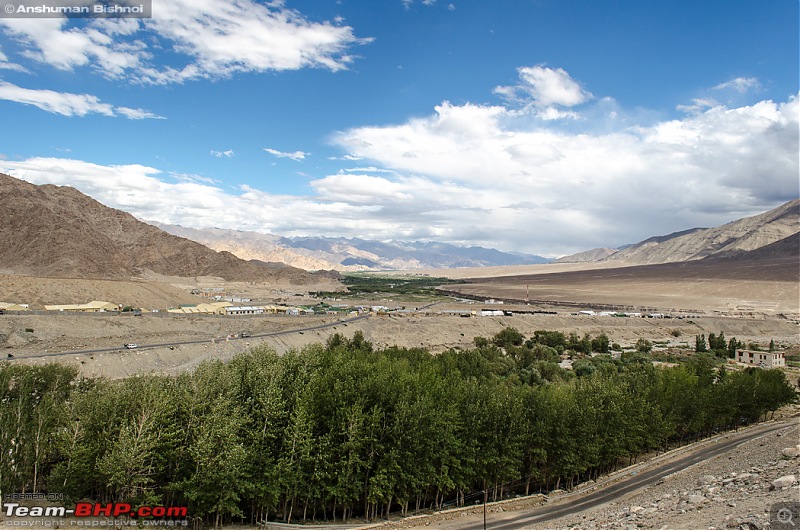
[740, 84]
[481, 174]
[544, 90]
[137, 114]
[296, 155]
[698, 105]
[210, 39]
[228, 153]
[6, 65]
[67, 104]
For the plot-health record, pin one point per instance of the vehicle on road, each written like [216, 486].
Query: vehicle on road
[131, 346]
[245, 334]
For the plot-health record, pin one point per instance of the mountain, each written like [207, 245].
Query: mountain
[57, 231]
[348, 254]
[785, 250]
[745, 234]
[595, 254]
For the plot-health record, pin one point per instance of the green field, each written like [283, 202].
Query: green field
[400, 288]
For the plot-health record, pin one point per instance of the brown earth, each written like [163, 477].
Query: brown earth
[66, 332]
[764, 281]
[57, 231]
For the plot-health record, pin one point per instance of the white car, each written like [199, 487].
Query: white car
[131, 345]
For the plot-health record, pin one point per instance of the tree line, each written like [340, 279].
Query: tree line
[341, 429]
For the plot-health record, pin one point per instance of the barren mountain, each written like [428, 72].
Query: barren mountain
[57, 231]
[745, 234]
[343, 254]
[596, 254]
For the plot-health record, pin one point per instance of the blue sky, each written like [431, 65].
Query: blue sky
[547, 126]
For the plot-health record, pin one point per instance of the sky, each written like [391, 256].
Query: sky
[544, 126]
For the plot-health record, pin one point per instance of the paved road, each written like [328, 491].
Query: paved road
[201, 341]
[543, 514]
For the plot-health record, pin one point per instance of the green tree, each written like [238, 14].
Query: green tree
[700, 344]
[508, 337]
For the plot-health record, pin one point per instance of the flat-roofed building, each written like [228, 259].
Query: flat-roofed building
[761, 358]
[244, 310]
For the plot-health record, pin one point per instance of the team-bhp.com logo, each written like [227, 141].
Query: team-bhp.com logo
[148, 515]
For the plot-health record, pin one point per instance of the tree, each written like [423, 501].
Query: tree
[700, 344]
[600, 343]
[644, 346]
[508, 337]
[732, 345]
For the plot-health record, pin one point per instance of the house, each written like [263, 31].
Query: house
[760, 358]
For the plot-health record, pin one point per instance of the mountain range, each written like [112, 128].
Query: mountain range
[348, 254]
[730, 239]
[57, 231]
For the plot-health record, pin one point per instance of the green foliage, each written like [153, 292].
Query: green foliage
[399, 287]
[700, 344]
[508, 337]
[600, 343]
[345, 429]
[554, 339]
[644, 346]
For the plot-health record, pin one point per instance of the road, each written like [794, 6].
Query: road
[200, 341]
[572, 505]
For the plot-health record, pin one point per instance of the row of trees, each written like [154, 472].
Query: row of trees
[342, 430]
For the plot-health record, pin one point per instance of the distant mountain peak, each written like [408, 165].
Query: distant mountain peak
[351, 254]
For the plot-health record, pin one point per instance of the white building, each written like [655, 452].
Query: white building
[244, 310]
[761, 358]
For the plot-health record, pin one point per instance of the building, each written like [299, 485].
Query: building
[8, 306]
[95, 306]
[760, 358]
[244, 310]
[214, 308]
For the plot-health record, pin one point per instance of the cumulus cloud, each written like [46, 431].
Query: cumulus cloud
[296, 155]
[210, 39]
[545, 90]
[479, 174]
[68, 104]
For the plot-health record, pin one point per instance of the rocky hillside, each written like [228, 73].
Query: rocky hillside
[57, 231]
[745, 234]
[596, 254]
[343, 254]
